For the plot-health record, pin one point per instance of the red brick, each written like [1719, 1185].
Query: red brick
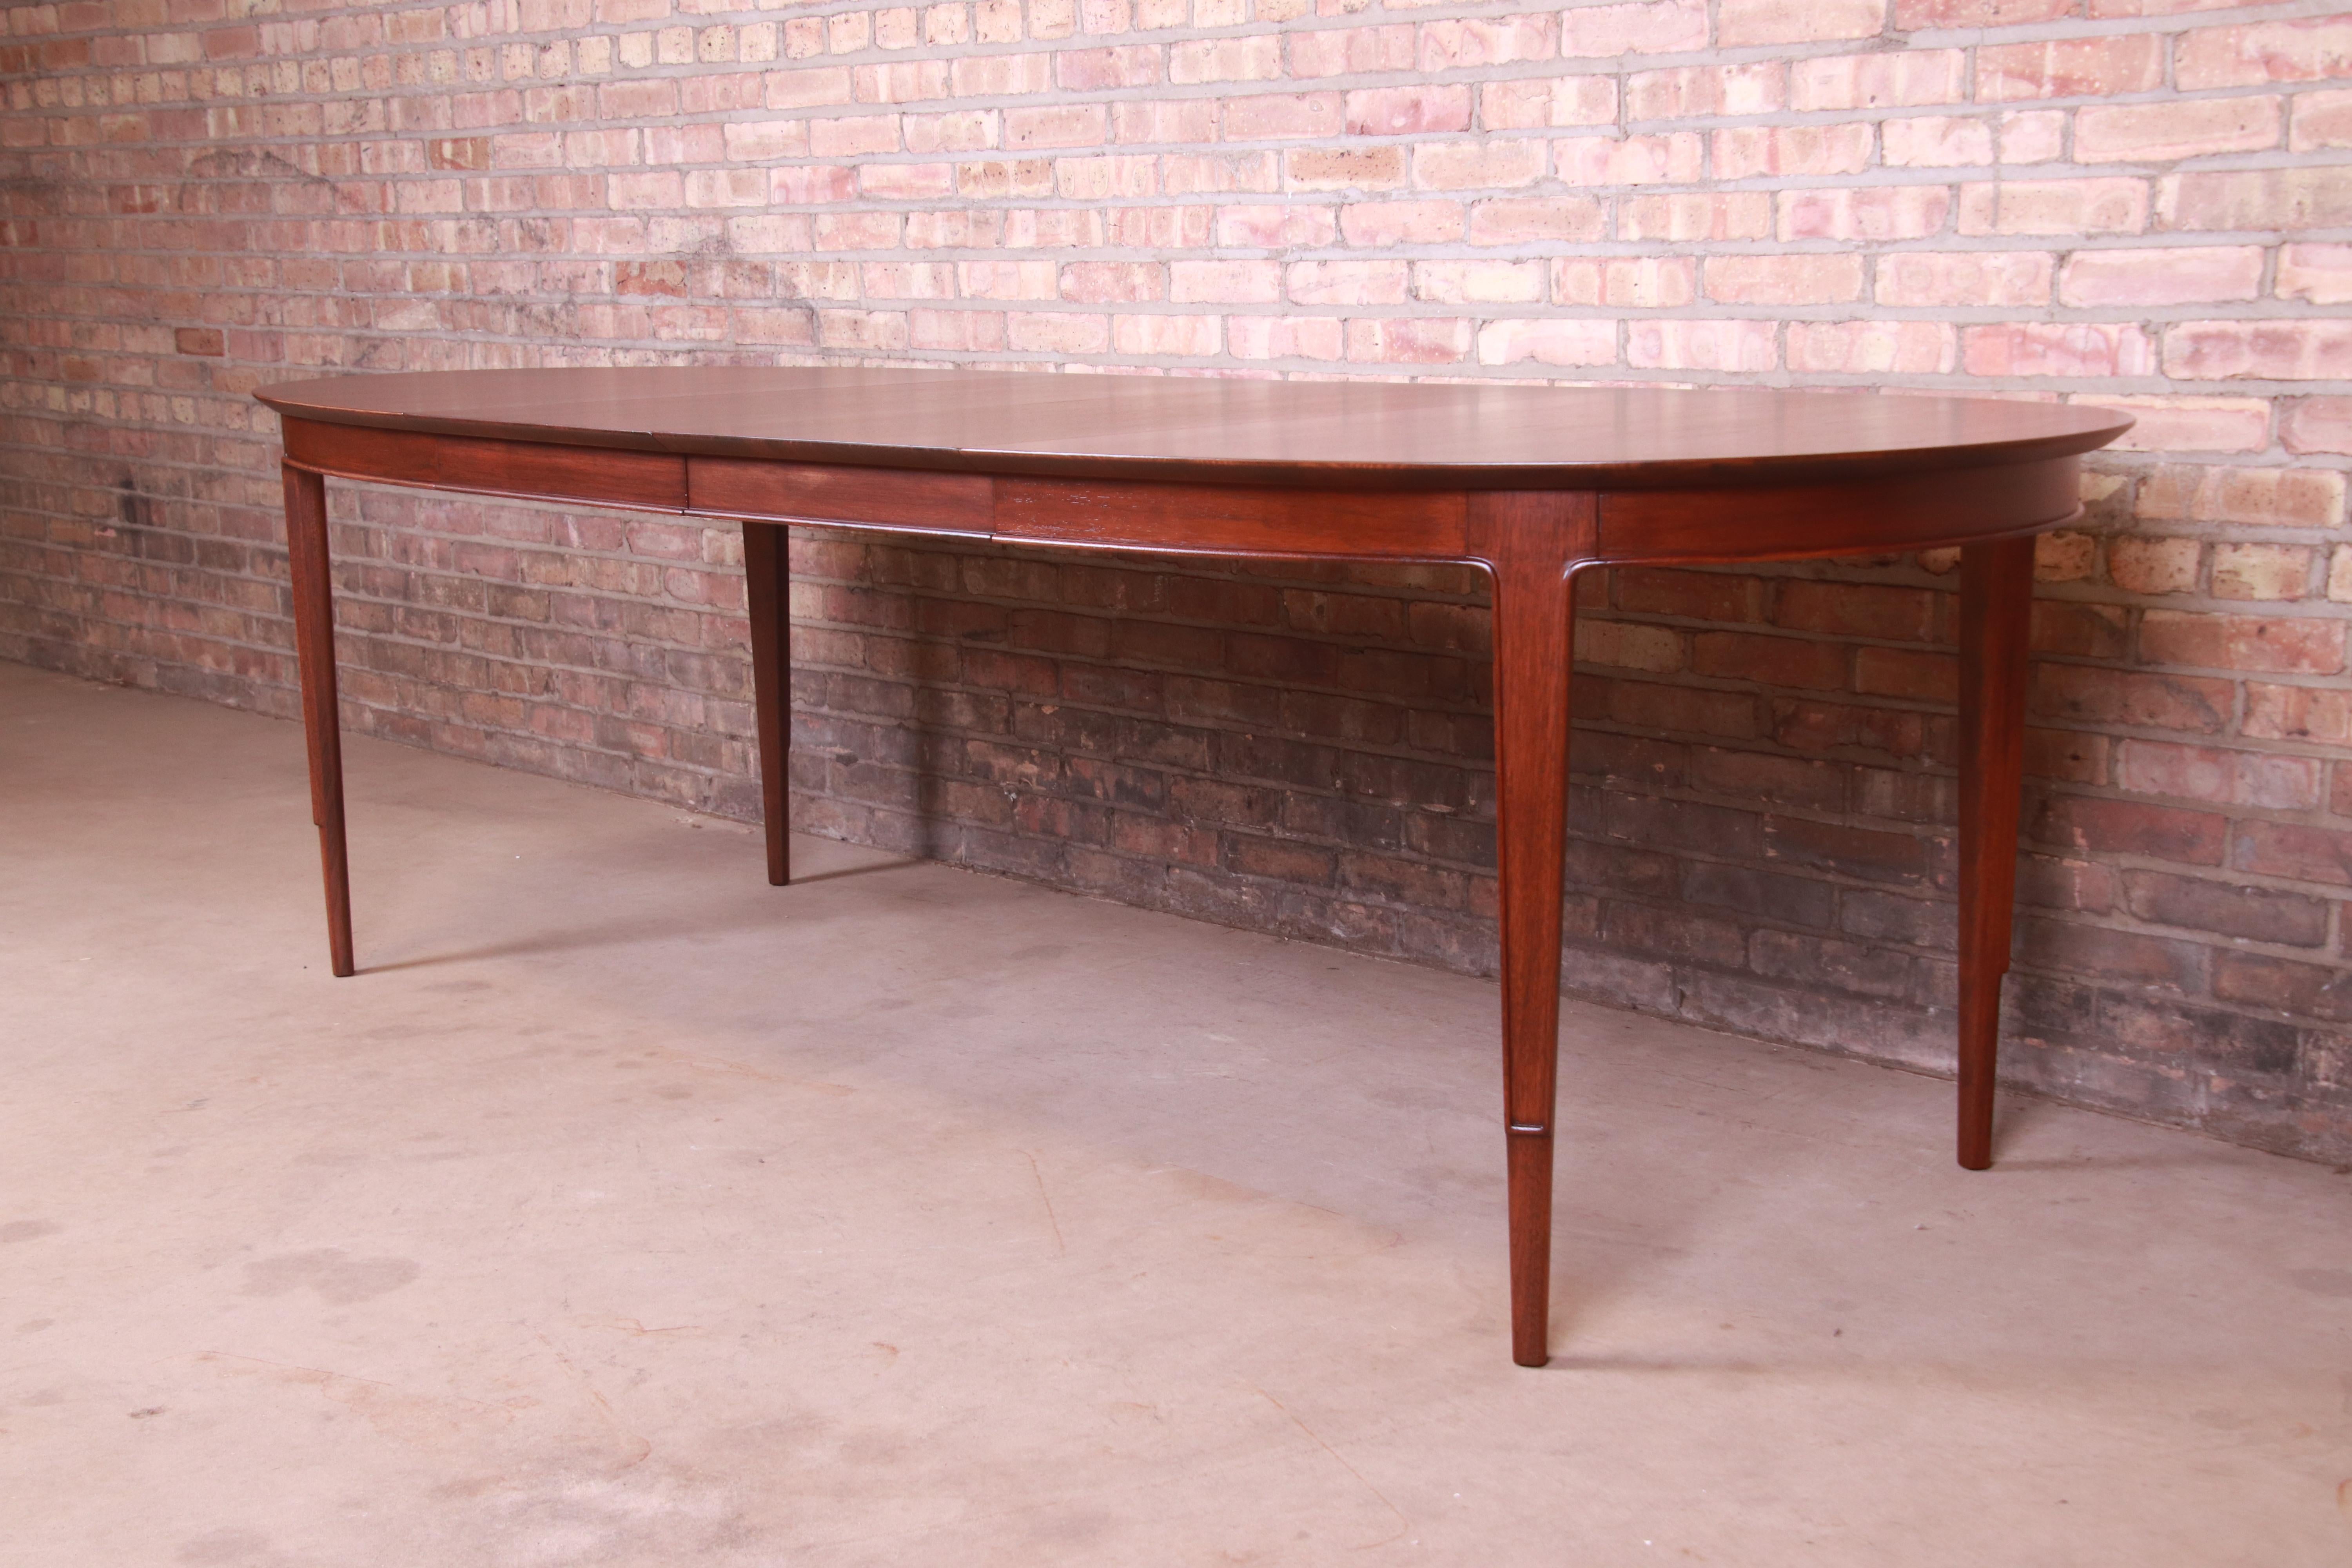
[1697, 595]
[1407, 111]
[1639, 27]
[2168, 277]
[1872, 213]
[2269, 644]
[2078, 348]
[2125, 697]
[1890, 79]
[2161, 132]
[2317, 425]
[2227, 908]
[1673, 933]
[2071, 67]
[2160, 832]
[1746, 152]
[2267, 497]
[1754, 88]
[2271, 351]
[1900, 672]
[2223, 778]
[1937, 141]
[1785, 781]
[1965, 278]
[1913, 15]
[2291, 850]
[1731, 345]
[2128, 956]
[1487, 41]
[1854, 609]
[2261, 52]
[1775, 661]
[1685, 219]
[1784, 279]
[2320, 274]
[2282, 986]
[2105, 204]
[1861, 852]
[1555, 343]
[2191, 424]
[2260, 199]
[1748, 22]
[2321, 714]
[1302, 745]
[1528, 104]
[2322, 120]
[2051, 883]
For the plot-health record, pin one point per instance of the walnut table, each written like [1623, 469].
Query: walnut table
[1535, 484]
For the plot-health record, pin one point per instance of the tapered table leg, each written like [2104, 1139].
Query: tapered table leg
[1530, 543]
[311, 577]
[767, 566]
[1996, 613]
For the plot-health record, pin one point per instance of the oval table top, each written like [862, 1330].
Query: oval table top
[1343, 434]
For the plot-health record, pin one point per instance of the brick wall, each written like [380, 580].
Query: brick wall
[2135, 203]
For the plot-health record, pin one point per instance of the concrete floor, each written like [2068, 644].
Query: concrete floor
[627, 1211]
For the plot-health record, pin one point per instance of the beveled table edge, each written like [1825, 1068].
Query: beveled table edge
[1661, 474]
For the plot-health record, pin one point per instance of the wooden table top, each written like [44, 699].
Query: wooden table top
[1327, 435]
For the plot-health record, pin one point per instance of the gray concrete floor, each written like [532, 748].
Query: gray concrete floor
[628, 1210]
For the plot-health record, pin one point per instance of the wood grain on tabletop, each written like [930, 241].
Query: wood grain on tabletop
[1385, 434]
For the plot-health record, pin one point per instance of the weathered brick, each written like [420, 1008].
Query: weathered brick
[2078, 350]
[2161, 132]
[2128, 957]
[2321, 274]
[2271, 644]
[1893, 79]
[2056, 207]
[2260, 199]
[2317, 425]
[1865, 348]
[2260, 52]
[2277, 497]
[2306, 854]
[2225, 777]
[2270, 350]
[2322, 120]
[1639, 27]
[2190, 424]
[2256, 914]
[1747, 22]
[2174, 276]
[1579, 195]
[1937, 141]
[1783, 280]
[1965, 278]
[1750, 88]
[2282, 986]
[2071, 67]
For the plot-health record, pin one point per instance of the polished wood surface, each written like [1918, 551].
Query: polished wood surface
[1370, 434]
[1996, 615]
[1535, 484]
[768, 592]
[1534, 542]
[309, 577]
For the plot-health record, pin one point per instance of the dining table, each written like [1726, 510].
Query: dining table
[1531, 483]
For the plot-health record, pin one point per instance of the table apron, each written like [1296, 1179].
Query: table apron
[540, 471]
[1727, 523]
[1910, 512]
